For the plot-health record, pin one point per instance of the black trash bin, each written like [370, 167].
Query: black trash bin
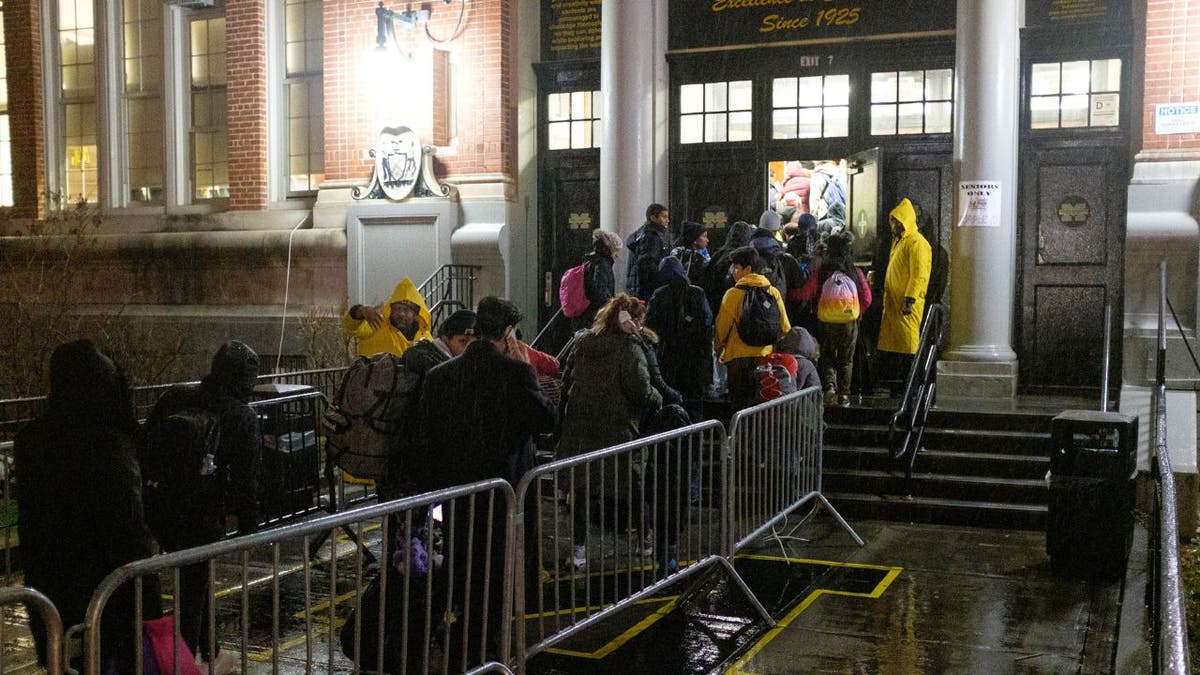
[289, 477]
[1092, 470]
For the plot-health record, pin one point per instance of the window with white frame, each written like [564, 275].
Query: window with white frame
[573, 120]
[716, 112]
[304, 95]
[142, 99]
[77, 100]
[1072, 94]
[912, 102]
[817, 106]
[209, 122]
[6, 171]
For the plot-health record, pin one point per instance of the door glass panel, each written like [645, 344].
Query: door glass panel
[810, 90]
[691, 129]
[716, 96]
[939, 84]
[1076, 77]
[783, 92]
[911, 117]
[1043, 112]
[912, 85]
[740, 95]
[1074, 111]
[883, 87]
[691, 98]
[559, 135]
[938, 117]
[810, 123]
[837, 90]
[739, 126]
[783, 123]
[1106, 75]
[1044, 79]
[714, 128]
[837, 121]
[883, 119]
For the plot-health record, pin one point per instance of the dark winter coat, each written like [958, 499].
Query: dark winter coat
[225, 392]
[480, 413]
[599, 284]
[610, 391]
[679, 313]
[647, 246]
[717, 278]
[790, 276]
[81, 494]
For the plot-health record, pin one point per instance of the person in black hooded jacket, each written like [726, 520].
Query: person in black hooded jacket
[81, 497]
[225, 391]
[717, 278]
[679, 313]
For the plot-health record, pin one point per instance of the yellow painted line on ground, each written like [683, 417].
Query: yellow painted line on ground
[621, 639]
[738, 668]
[596, 608]
[319, 630]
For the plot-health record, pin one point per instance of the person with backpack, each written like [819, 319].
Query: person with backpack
[751, 319]
[648, 245]
[679, 313]
[80, 499]
[777, 265]
[188, 496]
[842, 294]
[717, 279]
[391, 327]
[599, 284]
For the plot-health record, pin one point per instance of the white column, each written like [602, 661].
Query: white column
[633, 81]
[980, 360]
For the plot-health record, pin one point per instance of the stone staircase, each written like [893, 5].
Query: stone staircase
[981, 469]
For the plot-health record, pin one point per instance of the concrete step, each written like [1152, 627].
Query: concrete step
[942, 511]
[937, 438]
[947, 462]
[941, 486]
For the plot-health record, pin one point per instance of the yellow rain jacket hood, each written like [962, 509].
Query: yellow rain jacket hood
[387, 338]
[907, 277]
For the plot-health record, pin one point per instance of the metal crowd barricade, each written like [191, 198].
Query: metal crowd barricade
[636, 517]
[324, 380]
[439, 600]
[776, 452]
[8, 508]
[51, 623]
[290, 475]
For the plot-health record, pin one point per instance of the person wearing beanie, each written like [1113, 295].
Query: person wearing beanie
[679, 313]
[838, 338]
[691, 248]
[770, 221]
[800, 343]
[224, 393]
[599, 282]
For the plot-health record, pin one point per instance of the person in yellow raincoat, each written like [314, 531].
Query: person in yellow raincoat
[392, 326]
[904, 287]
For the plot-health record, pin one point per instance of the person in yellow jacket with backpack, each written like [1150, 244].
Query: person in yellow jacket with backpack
[739, 356]
[904, 289]
[391, 327]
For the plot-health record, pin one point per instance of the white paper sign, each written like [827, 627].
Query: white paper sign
[1177, 118]
[979, 204]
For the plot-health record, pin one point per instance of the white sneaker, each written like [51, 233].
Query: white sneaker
[579, 557]
[224, 664]
[830, 399]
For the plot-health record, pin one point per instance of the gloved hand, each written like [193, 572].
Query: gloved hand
[908, 306]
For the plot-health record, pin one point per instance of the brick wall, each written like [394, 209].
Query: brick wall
[23, 51]
[486, 62]
[246, 70]
[1172, 67]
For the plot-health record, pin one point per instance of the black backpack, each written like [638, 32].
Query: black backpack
[760, 323]
[180, 476]
[772, 269]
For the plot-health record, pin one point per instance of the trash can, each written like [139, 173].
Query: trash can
[1092, 469]
[289, 477]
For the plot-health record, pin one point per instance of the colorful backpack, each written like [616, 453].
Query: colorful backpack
[839, 300]
[571, 295]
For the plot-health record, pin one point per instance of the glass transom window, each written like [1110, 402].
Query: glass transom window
[1074, 94]
[810, 107]
[912, 102]
[716, 112]
[573, 120]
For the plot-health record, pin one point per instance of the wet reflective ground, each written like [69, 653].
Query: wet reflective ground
[915, 599]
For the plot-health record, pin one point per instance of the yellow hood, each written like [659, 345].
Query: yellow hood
[906, 214]
[407, 290]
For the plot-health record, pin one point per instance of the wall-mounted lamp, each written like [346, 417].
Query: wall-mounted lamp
[410, 20]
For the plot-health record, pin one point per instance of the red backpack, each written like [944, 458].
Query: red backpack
[775, 376]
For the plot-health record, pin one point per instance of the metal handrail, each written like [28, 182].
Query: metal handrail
[537, 340]
[907, 426]
[1168, 626]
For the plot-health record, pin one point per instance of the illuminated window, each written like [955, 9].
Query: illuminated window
[210, 127]
[912, 102]
[810, 107]
[6, 184]
[715, 112]
[573, 120]
[142, 99]
[1075, 94]
[77, 99]
[304, 92]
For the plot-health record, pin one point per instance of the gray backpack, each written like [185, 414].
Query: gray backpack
[372, 403]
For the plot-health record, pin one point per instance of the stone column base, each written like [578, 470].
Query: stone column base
[977, 379]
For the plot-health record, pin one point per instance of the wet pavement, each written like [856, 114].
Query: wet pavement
[915, 599]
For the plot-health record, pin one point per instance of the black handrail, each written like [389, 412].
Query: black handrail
[537, 340]
[907, 427]
[449, 286]
[1168, 626]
